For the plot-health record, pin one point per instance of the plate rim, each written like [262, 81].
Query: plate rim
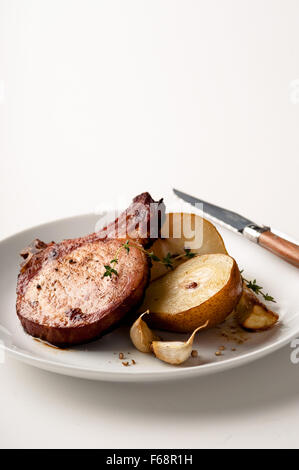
[126, 376]
[173, 373]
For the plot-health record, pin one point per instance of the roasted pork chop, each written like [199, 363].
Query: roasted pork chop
[62, 294]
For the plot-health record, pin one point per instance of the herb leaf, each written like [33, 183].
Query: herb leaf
[126, 246]
[269, 298]
[188, 253]
[254, 286]
[109, 271]
[167, 260]
[152, 256]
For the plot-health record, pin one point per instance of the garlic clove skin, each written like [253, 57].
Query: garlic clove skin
[175, 352]
[172, 352]
[141, 335]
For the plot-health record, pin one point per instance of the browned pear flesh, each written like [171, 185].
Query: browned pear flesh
[181, 230]
[252, 314]
[204, 288]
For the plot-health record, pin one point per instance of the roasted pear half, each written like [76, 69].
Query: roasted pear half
[181, 230]
[204, 288]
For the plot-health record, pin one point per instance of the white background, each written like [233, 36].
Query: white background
[104, 99]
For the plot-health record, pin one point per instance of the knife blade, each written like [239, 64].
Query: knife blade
[260, 234]
[224, 217]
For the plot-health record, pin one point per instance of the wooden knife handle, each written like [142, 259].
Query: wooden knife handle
[280, 247]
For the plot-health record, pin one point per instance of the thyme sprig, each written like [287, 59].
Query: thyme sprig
[110, 268]
[167, 261]
[188, 253]
[257, 289]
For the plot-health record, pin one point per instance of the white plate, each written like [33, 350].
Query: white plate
[99, 360]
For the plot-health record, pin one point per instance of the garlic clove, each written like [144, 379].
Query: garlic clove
[141, 335]
[175, 352]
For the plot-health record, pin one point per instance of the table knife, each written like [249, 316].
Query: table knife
[237, 223]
